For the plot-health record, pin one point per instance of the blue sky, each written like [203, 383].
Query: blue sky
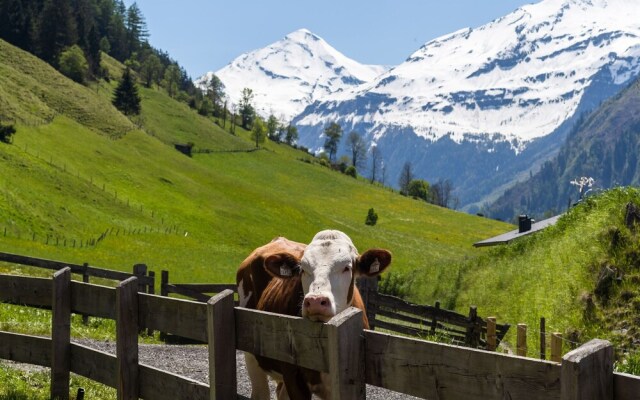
[205, 35]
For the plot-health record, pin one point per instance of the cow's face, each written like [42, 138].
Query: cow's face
[327, 271]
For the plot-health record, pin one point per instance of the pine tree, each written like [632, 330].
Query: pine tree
[126, 97]
[57, 29]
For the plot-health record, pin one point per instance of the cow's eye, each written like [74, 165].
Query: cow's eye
[347, 269]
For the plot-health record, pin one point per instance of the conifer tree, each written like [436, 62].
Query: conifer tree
[126, 97]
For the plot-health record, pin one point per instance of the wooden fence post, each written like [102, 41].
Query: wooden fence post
[521, 347]
[127, 338]
[556, 347]
[222, 346]
[151, 290]
[543, 339]
[85, 279]
[164, 281]
[368, 288]
[140, 271]
[472, 338]
[587, 372]
[346, 355]
[61, 334]
[434, 321]
[491, 333]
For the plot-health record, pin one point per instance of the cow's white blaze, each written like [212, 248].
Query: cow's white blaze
[327, 271]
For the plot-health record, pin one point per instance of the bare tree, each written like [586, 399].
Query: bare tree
[376, 159]
[406, 176]
[358, 149]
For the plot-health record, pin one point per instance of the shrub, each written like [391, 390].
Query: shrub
[372, 217]
[6, 132]
[351, 171]
[73, 64]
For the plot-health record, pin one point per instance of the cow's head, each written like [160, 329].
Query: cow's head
[328, 269]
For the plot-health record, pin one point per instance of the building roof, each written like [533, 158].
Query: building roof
[509, 236]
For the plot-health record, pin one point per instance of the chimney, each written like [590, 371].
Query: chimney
[524, 223]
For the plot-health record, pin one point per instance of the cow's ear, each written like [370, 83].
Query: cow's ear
[282, 265]
[373, 262]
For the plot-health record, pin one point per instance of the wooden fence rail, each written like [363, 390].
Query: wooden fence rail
[383, 311]
[145, 279]
[410, 366]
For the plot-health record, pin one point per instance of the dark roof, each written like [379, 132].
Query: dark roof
[509, 236]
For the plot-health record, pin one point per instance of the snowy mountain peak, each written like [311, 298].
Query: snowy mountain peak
[518, 77]
[288, 75]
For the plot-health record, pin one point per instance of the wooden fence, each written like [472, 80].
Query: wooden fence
[352, 357]
[384, 312]
[146, 279]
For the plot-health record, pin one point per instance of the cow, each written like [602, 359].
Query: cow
[315, 281]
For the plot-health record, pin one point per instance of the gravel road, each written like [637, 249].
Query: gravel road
[192, 361]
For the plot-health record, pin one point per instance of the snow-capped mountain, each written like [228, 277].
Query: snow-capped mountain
[480, 106]
[292, 73]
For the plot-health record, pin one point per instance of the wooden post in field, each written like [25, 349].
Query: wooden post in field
[543, 339]
[127, 338]
[587, 372]
[164, 281]
[151, 290]
[85, 279]
[140, 271]
[346, 355]
[368, 288]
[491, 333]
[472, 338]
[521, 348]
[222, 346]
[556, 347]
[434, 321]
[61, 334]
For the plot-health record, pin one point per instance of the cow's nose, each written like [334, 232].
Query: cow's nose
[316, 304]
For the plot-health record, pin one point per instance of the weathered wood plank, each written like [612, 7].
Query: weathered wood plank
[61, 334]
[345, 353]
[424, 311]
[94, 364]
[94, 300]
[156, 384]
[437, 371]
[183, 291]
[423, 325]
[626, 387]
[175, 316]
[416, 332]
[207, 287]
[25, 290]
[291, 339]
[115, 275]
[127, 339]
[587, 372]
[39, 262]
[222, 346]
[25, 348]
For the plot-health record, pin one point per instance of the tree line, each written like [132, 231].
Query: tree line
[72, 36]
[439, 193]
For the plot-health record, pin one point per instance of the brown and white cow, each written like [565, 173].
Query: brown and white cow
[316, 281]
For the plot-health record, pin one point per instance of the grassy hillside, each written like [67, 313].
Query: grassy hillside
[75, 178]
[582, 275]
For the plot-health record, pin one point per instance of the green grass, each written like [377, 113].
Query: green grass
[553, 274]
[25, 385]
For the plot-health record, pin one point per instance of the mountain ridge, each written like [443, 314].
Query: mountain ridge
[288, 75]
